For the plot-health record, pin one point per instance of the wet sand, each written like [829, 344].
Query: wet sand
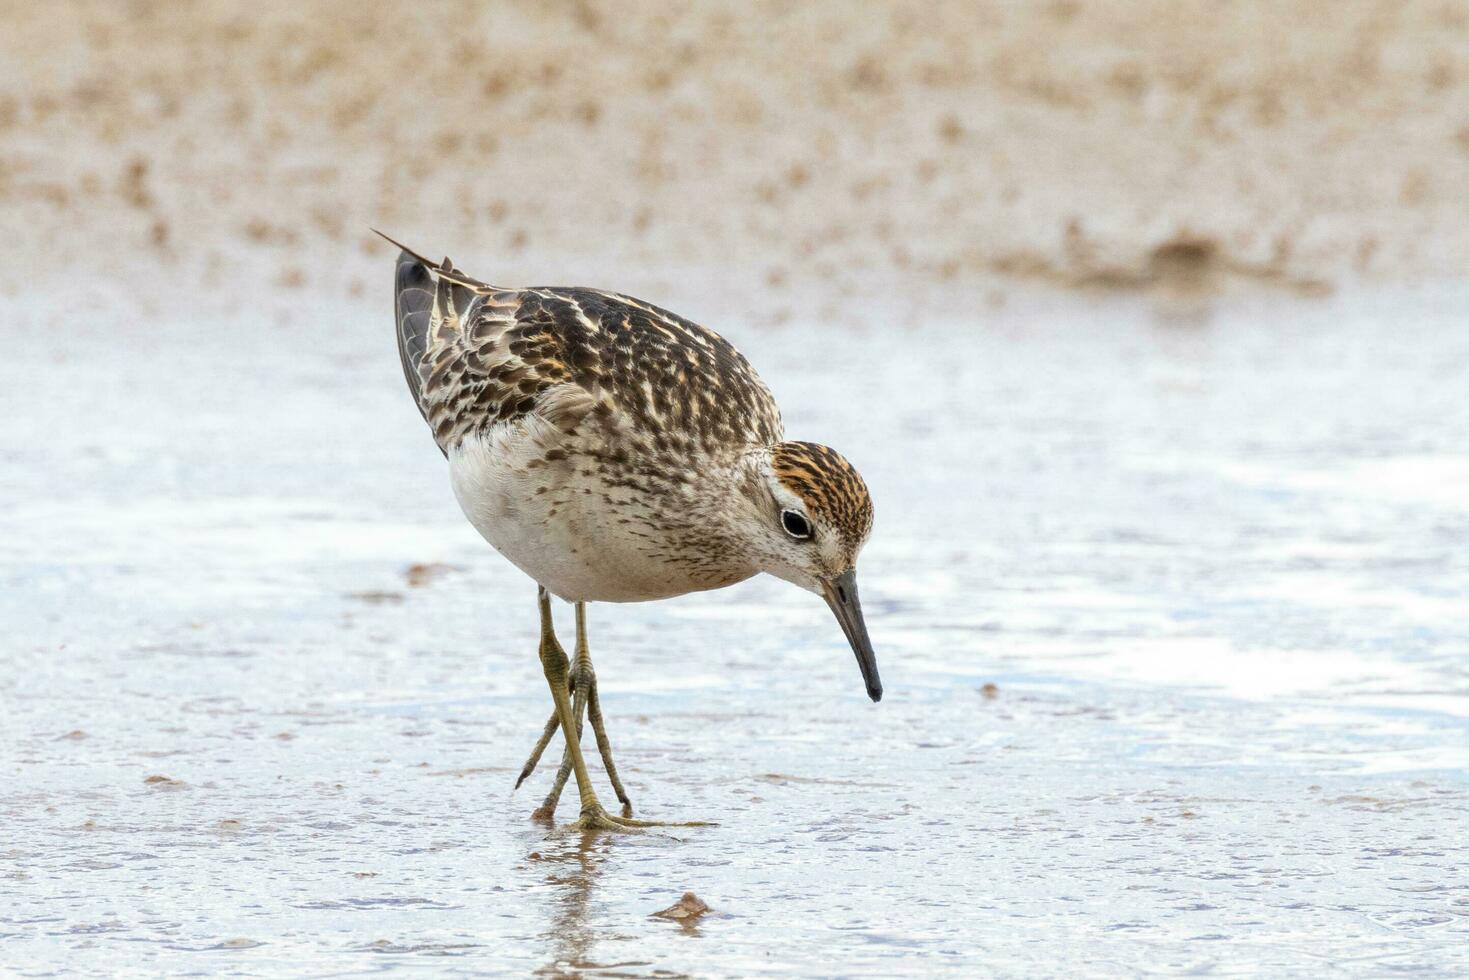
[1107, 303]
[1169, 613]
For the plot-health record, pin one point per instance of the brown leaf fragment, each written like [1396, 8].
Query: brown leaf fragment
[426, 573]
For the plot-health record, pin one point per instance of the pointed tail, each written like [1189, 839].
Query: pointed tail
[429, 300]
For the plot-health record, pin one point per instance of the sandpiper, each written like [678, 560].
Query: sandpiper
[616, 452]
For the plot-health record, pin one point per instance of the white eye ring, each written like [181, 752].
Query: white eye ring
[795, 524]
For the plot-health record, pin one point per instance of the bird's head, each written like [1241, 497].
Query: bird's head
[811, 516]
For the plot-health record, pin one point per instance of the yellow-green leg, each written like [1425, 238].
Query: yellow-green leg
[553, 660]
[584, 703]
[582, 685]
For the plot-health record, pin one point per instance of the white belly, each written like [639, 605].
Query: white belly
[557, 526]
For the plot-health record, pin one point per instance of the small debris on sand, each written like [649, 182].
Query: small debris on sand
[686, 910]
[423, 574]
[377, 597]
[781, 779]
[238, 943]
[164, 782]
[990, 691]
[76, 735]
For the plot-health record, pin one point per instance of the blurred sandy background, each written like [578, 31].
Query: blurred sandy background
[794, 156]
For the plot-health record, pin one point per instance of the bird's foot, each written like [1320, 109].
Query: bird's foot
[595, 817]
[546, 813]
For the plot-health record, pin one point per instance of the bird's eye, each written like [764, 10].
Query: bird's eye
[795, 524]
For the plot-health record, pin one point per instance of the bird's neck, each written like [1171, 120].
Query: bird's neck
[735, 503]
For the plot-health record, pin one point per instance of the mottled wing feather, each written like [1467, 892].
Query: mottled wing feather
[469, 359]
[664, 374]
[477, 356]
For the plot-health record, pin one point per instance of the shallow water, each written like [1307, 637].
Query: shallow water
[1213, 567]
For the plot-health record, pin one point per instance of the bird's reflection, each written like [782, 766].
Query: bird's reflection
[574, 864]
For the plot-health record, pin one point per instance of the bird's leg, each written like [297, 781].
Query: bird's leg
[582, 685]
[553, 660]
[594, 711]
[584, 701]
[553, 725]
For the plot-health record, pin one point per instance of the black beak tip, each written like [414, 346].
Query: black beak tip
[875, 693]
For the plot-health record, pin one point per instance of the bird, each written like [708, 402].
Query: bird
[616, 452]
